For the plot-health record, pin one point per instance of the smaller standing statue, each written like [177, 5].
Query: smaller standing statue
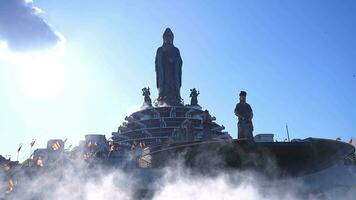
[146, 93]
[194, 97]
[244, 113]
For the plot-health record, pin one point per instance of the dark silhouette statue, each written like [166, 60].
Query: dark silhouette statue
[244, 112]
[147, 99]
[168, 71]
[194, 97]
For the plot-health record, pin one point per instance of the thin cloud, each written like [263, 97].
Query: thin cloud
[23, 29]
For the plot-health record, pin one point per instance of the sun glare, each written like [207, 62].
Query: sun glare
[40, 74]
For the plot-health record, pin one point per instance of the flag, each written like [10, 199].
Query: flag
[39, 161]
[86, 156]
[92, 145]
[112, 148]
[10, 186]
[7, 167]
[56, 146]
[33, 142]
[19, 149]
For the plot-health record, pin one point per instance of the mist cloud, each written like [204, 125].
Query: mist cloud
[22, 27]
[76, 180]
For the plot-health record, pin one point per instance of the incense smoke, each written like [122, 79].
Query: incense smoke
[78, 180]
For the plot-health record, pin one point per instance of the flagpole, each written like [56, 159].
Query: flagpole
[287, 132]
[30, 152]
[18, 152]
[31, 146]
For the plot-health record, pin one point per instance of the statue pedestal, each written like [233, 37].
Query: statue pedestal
[169, 101]
[156, 125]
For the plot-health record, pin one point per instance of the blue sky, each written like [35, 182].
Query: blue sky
[296, 60]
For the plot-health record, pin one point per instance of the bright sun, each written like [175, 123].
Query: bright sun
[40, 74]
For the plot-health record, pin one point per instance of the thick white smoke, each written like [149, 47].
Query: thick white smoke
[173, 183]
[77, 180]
[184, 184]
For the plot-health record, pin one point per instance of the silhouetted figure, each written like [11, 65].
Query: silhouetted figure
[168, 71]
[146, 93]
[194, 97]
[244, 113]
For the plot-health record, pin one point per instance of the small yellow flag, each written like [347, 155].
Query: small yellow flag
[10, 186]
